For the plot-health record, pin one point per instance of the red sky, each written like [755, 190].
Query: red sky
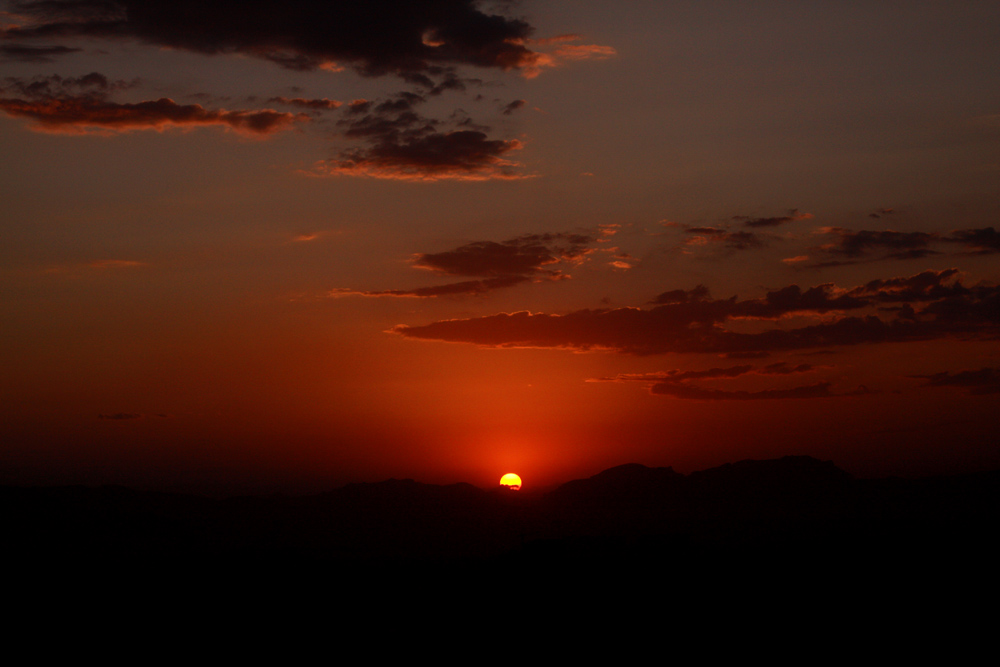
[447, 240]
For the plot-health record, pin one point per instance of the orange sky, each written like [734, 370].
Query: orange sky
[538, 237]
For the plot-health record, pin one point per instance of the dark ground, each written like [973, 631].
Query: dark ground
[784, 519]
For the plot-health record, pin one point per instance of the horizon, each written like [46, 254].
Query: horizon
[444, 241]
[234, 487]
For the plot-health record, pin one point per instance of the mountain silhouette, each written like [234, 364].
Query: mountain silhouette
[793, 514]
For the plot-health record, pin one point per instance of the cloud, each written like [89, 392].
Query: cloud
[741, 240]
[451, 289]
[390, 120]
[513, 106]
[678, 384]
[307, 237]
[747, 355]
[881, 212]
[556, 51]
[26, 53]
[699, 293]
[679, 375]
[691, 392]
[78, 115]
[775, 304]
[376, 37]
[924, 286]
[78, 105]
[94, 85]
[404, 145]
[852, 247]
[983, 241]
[622, 260]
[463, 155]
[584, 52]
[792, 300]
[780, 368]
[978, 382]
[858, 243]
[519, 256]
[784, 368]
[498, 265]
[322, 104]
[793, 216]
[929, 309]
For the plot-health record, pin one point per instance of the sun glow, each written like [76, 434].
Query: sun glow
[511, 481]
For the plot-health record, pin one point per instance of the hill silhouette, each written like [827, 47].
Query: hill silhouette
[794, 514]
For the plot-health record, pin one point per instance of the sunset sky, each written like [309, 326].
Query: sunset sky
[295, 244]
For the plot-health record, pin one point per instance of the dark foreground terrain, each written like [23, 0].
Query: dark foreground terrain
[796, 523]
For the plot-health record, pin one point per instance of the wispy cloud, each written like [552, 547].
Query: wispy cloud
[931, 305]
[528, 258]
[81, 105]
[774, 221]
[978, 382]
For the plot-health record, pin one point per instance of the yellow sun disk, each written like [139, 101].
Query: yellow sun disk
[511, 481]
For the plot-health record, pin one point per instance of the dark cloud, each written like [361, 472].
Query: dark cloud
[691, 392]
[80, 114]
[404, 145]
[793, 216]
[376, 37]
[94, 86]
[858, 243]
[499, 265]
[678, 384]
[881, 212]
[745, 355]
[446, 79]
[699, 293]
[466, 287]
[983, 241]
[853, 247]
[780, 368]
[26, 53]
[936, 311]
[462, 155]
[322, 104]
[792, 300]
[513, 106]
[784, 368]
[679, 375]
[390, 121]
[924, 286]
[81, 104]
[741, 240]
[519, 256]
[978, 382]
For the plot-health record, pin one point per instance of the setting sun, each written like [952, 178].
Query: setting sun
[511, 481]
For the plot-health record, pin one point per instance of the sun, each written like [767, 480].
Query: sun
[511, 481]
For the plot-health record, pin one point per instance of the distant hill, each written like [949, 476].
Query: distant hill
[759, 513]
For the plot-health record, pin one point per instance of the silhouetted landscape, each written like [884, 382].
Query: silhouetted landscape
[795, 516]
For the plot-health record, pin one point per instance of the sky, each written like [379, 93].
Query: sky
[290, 245]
